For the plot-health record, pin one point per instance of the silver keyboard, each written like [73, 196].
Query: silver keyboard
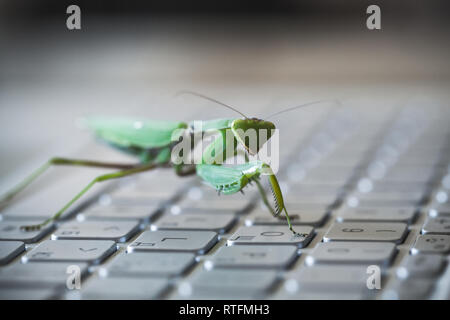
[367, 191]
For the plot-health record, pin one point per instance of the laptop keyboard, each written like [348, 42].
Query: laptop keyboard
[366, 192]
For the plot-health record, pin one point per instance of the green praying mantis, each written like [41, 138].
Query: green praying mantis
[151, 142]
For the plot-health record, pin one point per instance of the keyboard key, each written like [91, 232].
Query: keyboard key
[413, 289]
[218, 205]
[370, 231]
[193, 241]
[335, 176]
[137, 196]
[10, 230]
[364, 253]
[391, 199]
[252, 283]
[439, 212]
[119, 231]
[38, 274]
[212, 294]
[328, 279]
[428, 243]
[113, 212]
[9, 250]
[149, 264]
[265, 235]
[253, 257]
[436, 226]
[307, 217]
[296, 199]
[319, 295]
[421, 266]
[91, 251]
[405, 215]
[27, 294]
[124, 288]
[214, 222]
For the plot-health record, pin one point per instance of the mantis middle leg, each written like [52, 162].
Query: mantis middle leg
[6, 198]
[100, 178]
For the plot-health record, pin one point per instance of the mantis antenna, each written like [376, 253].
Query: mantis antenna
[301, 106]
[210, 99]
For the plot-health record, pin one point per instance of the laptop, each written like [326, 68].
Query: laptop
[366, 182]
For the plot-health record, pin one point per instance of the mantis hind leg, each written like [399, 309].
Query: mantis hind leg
[101, 178]
[6, 198]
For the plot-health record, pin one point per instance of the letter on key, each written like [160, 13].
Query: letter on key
[149, 264]
[119, 231]
[368, 231]
[171, 240]
[278, 235]
[342, 252]
[430, 243]
[265, 257]
[92, 251]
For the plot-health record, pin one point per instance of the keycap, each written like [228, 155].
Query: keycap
[124, 288]
[410, 174]
[329, 176]
[436, 226]
[214, 222]
[413, 289]
[220, 204]
[42, 274]
[279, 235]
[119, 231]
[92, 251]
[139, 196]
[328, 279]
[9, 250]
[422, 265]
[149, 264]
[229, 281]
[377, 214]
[27, 294]
[243, 256]
[169, 240]
[297, 198]
[429, 243]
[319, 295]
[313, 218]
[438, 211]
[369, 231]
[10, 230]
[213, 294]
[120, 212]
[341, 252]
[389, 199]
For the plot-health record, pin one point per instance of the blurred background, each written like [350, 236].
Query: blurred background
[130, 57]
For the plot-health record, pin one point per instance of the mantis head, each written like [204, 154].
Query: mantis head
[252, 133]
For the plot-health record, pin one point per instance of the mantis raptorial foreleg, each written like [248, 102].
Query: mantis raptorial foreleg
[265, 200]
[105, 177]
[58, 161]
[275, 213]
